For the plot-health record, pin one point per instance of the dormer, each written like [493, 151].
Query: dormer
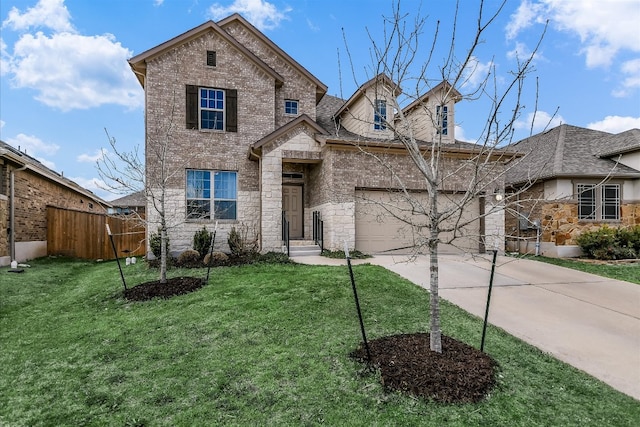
[370, 110]
[431, 116]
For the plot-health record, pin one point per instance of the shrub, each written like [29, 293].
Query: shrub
[155, 243]
[275, 258]
[216, 257]
[189, 258]
[239, 242]
[202, 241]
[611, 243]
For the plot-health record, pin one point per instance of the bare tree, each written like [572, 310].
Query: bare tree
[404, 71]
[124, 172]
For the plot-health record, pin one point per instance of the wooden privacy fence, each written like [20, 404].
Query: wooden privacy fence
[83, 234]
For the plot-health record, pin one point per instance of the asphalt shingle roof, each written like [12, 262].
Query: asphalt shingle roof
[570, 151]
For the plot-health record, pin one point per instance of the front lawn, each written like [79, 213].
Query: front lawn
[259, 345]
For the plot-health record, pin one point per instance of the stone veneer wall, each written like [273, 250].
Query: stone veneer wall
[560, 224]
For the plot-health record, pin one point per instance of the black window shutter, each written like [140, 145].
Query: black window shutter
[192, 107]
[232, 110]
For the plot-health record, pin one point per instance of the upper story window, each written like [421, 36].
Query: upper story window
[599, 202]
[291, 107]
[203, 194]
[380, 115]
[211, 108]
[442, 113]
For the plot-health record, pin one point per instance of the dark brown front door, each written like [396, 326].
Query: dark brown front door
[292, 205]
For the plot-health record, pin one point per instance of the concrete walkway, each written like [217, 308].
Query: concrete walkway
[587, 321]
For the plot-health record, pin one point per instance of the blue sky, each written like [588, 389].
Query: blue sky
[65, 77]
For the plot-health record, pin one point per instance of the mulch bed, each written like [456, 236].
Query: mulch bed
[460, 374]
[175, 286]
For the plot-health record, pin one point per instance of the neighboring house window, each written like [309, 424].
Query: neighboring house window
[211, 108]
[443, 121]
[380, 115]
[599, 202]
[203, 193]
[211, 58]
[291, 107]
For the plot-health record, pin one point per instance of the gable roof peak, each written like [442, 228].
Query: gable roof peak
[138, 63]
[321, 88]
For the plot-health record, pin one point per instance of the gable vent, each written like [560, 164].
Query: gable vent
[211, 58]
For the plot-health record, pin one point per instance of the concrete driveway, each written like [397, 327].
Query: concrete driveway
[587, 321]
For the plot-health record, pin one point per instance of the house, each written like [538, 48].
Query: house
[249, 133]
[27, 187]
[133, 204]
[571, 180]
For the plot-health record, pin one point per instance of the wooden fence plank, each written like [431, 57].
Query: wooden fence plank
[83, 234]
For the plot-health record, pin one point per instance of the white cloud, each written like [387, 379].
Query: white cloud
[615, 124]
[51, 14]
[527, 14]
[605, 27]
[522, 53]
[261, 13]
[476, 73]
[72, 71]
[541, 121]
[2, 123]
[158, 2]
[88, 158]
[630, 69]
[32, 145]
[460, 136]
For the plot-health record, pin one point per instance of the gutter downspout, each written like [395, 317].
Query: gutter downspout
[12, 212]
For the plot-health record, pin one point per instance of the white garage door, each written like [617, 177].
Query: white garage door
[380, 226]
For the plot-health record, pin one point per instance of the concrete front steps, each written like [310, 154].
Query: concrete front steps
[303, 248]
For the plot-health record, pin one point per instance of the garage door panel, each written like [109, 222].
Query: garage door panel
[380, 226]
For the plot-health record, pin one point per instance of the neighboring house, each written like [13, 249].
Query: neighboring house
[251, 133]
[130, 205]
[27, 187]
[575, 179]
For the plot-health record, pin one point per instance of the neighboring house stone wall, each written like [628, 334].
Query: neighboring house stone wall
[559, 223]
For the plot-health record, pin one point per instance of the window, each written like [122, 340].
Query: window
[380, 115]
[202, 193]
[599, 202]
[291, 107]
[211, 108]
[443, 121]
[211, 58]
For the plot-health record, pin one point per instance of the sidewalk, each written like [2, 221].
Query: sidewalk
[587, 321]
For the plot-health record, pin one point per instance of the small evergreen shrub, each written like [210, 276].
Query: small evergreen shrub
[611, 243]
[155, 242]
[202, 241]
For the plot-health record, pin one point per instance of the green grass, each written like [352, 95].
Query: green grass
[260, 345]
[629, 272]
